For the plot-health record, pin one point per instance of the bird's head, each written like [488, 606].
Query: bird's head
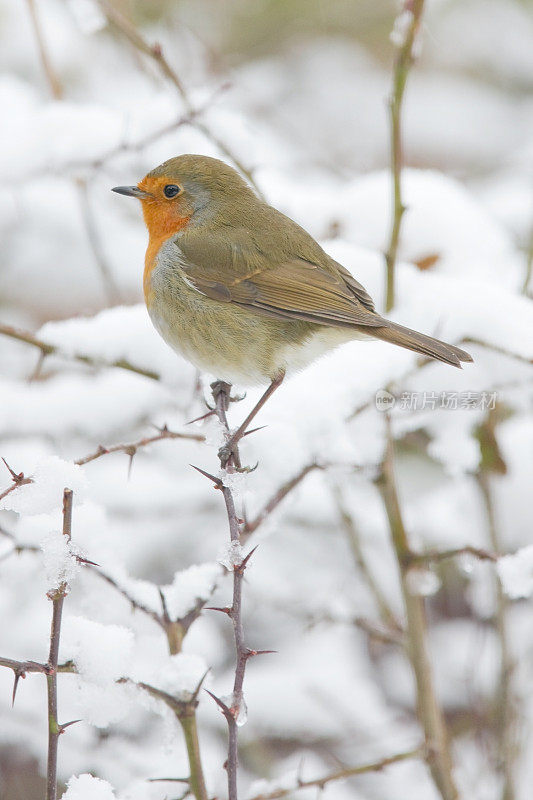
[190, 190]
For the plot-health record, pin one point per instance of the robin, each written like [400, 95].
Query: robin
[241, 290]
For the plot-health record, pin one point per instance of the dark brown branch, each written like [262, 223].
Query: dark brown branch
[230, 460]
[57, 597]
[51, 349]
[131, 448]
[341, 774]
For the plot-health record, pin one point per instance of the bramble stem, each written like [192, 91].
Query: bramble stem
[429, 711]
[57, 597]
[402, 65]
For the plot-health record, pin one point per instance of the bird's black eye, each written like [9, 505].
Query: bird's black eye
[171, 190]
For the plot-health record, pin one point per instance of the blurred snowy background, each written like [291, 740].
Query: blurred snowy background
[296, 93]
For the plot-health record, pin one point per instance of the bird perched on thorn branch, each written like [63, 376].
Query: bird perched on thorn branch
[241, 290]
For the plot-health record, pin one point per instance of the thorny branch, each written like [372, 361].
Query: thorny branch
[20, 479]
[57, 596]
[234, 711]
[341, 774]
[131, 448]
[409, 17]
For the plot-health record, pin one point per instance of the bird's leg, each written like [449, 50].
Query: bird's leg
[228, 449]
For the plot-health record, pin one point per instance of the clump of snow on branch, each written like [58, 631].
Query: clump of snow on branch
[231, 555]
[45, 492]
[87, 787]
[190, 587]
[60, 559]
[101, 653]
[179, 675]
[516, 573]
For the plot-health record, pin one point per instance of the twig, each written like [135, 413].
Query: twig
[110, 287]
[252, 525]
[155, 52]
[341, 774]
[51, 349]
[53, 80]
[507, 744]
[431, 556]
[385, 611]
[402, 64]
[185, 711]
[131, 449]
[429, 711]
[57, 597]
[496, 349]
[19, 479]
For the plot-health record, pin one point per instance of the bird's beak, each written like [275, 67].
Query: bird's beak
[132, 191]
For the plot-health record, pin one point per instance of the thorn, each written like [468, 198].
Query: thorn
[225, 610]
[218, 483]
[220, 703]
[166, 616]
[82, 560]
[244, 563]
[204, 416]
[254, 430]
[16, 477]
[252, 653]
[131, 452]
[18, 676]
[65, 725]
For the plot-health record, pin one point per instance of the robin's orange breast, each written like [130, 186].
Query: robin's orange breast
[155, 244]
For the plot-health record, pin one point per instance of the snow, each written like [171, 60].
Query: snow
[87, 787]
[190, 586]
[516, 573]
[45, 492]
[59, 559]
[423, 582]
[178, 675]
[101, 653]
[318, 145]
[231, 555]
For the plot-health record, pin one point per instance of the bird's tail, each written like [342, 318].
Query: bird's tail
[420, 343]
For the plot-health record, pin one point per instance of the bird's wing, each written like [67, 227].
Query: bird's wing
[293, 289]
